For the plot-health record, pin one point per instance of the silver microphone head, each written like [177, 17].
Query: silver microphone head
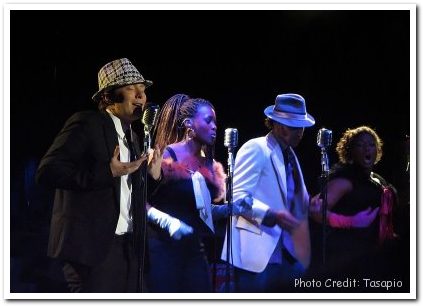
[231, 138]
[150, 116]
[324, 138]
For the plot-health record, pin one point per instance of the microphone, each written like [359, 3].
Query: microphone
[231, 142]
[324, 140]
[231, 138]
[149, 120]
[149, 116]
[407, 144]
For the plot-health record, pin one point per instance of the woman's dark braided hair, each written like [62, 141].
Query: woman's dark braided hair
[171, 128]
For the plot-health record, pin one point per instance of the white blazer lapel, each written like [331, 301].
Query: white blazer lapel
[278, 165]
[301, 197]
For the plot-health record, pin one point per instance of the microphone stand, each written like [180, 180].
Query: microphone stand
[229, 196]
[324, 196]
[143, 242]
[147, 139]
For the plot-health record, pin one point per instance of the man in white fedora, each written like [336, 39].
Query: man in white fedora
[271, 246]
[95, 166]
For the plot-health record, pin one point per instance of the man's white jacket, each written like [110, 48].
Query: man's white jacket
[260, 172]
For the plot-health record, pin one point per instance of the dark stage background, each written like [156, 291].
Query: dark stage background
[352, 67]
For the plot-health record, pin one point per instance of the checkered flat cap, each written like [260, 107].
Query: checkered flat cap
[118, 73]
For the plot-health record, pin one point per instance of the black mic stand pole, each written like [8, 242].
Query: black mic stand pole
[229, 197]
[143, 242]
[324, 196]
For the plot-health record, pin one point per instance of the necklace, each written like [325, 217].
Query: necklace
[192, 164]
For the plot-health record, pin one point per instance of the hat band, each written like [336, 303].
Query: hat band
[289, 115]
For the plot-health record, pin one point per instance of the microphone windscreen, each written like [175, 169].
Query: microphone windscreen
[150, 115]
[231, 138]
[324, 138]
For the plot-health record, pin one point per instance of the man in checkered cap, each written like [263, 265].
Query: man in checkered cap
[95, 165]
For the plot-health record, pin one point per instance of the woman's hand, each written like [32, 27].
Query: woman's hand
[315, 206]
[155, 158]
[365, 217]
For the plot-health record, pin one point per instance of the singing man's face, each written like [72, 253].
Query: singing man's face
[290, 136]
[129, 102]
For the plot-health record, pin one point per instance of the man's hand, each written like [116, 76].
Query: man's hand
[283, 218]
[119, 168]
[155, 158]
[286, 220]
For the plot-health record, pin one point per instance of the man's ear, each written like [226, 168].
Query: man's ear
[112, 97]
[108, 96]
